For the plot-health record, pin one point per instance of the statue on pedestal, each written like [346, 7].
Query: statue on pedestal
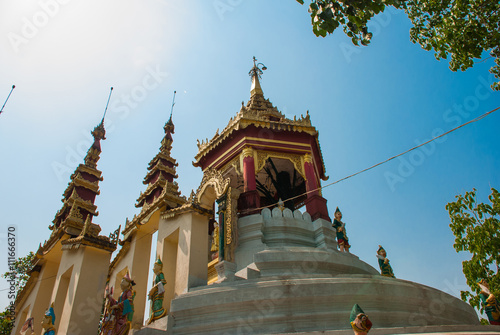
[490, 302]
[383, 262]
[342, 239]
[48, 321]
[120, 313]
[360, 323]
[156, 293]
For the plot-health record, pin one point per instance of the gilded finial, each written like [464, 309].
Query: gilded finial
[169, 126]
[281, 205]
[256, 73]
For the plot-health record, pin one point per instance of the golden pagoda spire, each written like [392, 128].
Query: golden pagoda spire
[160, 179]
[256, 73]
[83, 187]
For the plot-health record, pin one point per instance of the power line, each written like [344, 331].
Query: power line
[383, 162]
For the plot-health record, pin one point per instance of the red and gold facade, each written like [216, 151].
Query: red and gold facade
[161, 175]
[259, 144]
[79, 197]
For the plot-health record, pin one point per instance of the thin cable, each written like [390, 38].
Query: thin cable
[12, 89]
[378, 164]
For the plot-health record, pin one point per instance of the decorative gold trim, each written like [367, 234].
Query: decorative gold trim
[260, 114]
[247, 152]
[212, 177]
[297, 160]
[235, 163]
[230, 223]
[308, 158]
[229, 217]
[212, 273]
[263, 144]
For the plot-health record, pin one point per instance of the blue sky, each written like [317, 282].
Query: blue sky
[368, 104]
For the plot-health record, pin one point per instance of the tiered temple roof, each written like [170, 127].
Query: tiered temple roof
[260, 113]
[162, 191]
[79, 197]
[72, 225]
[161, 175]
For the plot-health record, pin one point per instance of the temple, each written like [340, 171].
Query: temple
[71, 266]
[251, 251]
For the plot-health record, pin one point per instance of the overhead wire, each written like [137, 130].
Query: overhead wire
[378, 164]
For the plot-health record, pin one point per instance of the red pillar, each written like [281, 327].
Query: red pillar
[250, 198]
[311, 180]
[315, 203]
[249, 174]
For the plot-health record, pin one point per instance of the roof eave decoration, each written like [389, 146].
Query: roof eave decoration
[89, 236]
[165, 199]
[261, 113]
[247, 117]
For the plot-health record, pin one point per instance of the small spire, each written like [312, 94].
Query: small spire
[99, 133]
[169, 126]
[107, 104]
[256, 73]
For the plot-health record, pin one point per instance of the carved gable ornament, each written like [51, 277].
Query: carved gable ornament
[214, 178]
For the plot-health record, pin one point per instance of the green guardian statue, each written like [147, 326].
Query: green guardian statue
[383, 262]
[156, 293]
[342, 239]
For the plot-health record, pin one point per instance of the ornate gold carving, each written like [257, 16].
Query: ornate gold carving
[262, 156]
[308, 158]
[261, 113]
[248, 152]
[229, 218]
[213, 178]
[86, 226]
[230, 222]
[115, 236]
[233, 163]
[75, 213]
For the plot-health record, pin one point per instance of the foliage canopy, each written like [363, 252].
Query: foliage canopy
[477, 230]
[461, 29]
[19, 274]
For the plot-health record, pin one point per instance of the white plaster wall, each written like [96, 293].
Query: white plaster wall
[39, 297]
